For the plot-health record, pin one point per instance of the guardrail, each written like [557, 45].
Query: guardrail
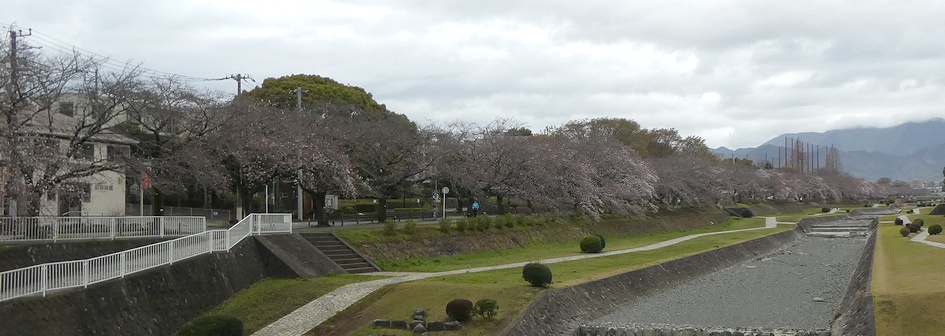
[59, 228]
[41, 279]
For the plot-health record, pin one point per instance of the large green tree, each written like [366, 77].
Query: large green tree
[320, 95]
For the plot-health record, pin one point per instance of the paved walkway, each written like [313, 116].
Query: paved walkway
[314, 313]
[922, 235]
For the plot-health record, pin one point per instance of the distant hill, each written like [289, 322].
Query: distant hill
[897, 140]
[906, 152]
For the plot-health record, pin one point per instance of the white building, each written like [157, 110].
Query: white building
[90, 174]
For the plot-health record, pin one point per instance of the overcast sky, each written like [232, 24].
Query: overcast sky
[736, 73]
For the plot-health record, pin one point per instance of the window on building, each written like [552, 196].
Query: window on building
[67, 108]
[86, 152]
[86, 192]
[115, 152]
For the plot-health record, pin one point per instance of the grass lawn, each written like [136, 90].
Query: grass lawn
[506, 287]
[553, 250]
[906, 286]
[270, 299]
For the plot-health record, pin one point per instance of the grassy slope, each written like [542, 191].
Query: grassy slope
[553, 250]
[506, 287]
[907, 291]
[271, 299]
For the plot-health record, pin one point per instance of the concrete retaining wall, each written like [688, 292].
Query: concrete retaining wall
[560, 311]
[607, 331]
[805, 223]
[290, 256]
[855, 314]
[154, 302]
[19, 255]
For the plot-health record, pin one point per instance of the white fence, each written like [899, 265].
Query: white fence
[58, 228]
[41, 279]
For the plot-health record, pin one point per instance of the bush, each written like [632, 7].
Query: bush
[905, 231]
[591, 244]
[509, 220]
[499, 222]
[537, 274]
[410, 227]
[548, 218]
[746, 213]
[390, 228]
[486, 308]
[898, 221]
[213, 324]
[913, 227]
[935, 229]
[483, 223]
[459, 309]
[920, 222]
[825, 209]
[462, 224]
[445, 225]
[523, 210]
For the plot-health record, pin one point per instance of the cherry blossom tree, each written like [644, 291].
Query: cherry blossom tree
[56, 108]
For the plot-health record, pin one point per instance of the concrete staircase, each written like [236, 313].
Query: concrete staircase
[340, 253]
[840, 229]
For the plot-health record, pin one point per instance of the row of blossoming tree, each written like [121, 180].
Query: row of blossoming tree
[327, 137]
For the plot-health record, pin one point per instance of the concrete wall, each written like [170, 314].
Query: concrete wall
[155, 302]
[560, 311]
[805, 223]
[855, 314]
[13, 256]
[290, 256]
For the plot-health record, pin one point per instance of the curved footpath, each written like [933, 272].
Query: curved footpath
[314, 313]
[922, 235]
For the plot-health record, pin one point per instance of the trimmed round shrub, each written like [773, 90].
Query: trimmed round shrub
[523, 210]
[213, 325]
[905, 231]
[603, 243]
[935, 229]
[825, 209]
[920, 222]
[537, 274]
[591, 244]
[459, 309]
[746, 213]
[898, 221]
[913, 227]
[486, 308]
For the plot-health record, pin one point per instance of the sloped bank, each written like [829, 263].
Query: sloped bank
[560, 311]
[158, 301]
[457, 243]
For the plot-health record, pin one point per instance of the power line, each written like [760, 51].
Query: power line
[63, 47]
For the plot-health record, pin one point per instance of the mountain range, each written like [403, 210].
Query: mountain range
[910, 151]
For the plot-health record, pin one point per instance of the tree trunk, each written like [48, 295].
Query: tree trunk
[157, 206]
[500, 201]
[318, 202]
[459, 204]
[382, 209]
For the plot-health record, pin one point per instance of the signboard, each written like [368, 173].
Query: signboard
[331, 202]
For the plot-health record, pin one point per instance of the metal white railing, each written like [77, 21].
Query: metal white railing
[58, 228]
[41, 279]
